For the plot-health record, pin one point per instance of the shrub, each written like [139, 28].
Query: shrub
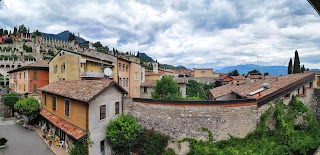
[153, 142]
[169, 151]
[123, 132]
[3, 141]
[79, 149]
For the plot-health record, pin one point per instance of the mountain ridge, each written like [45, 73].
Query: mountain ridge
[244, 69]
[64, 35]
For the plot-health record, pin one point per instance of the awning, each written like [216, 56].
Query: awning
[68, 128]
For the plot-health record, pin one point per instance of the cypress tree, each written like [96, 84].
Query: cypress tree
[296, 65]
[303, 69]
[290, 67]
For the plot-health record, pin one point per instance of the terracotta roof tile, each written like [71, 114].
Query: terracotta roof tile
[149, 73]
[68, 128]
[221, 91]
[82, 90]
[256, 76]
[238, 77]
[276, 83]
[43, 64]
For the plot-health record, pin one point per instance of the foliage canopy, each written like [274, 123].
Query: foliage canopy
[166, 88]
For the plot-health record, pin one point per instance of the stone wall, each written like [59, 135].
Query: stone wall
[181, 119]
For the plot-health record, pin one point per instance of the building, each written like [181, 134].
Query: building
[225, 79]
[148, 86]
[27, 79]
[71, 65]
[204, 72]
[71, 108]
[130, 76]
[254, 77]
[238, 80]
[269, 89]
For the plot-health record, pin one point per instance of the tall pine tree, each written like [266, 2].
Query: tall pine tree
[303, 69]
[290, 67]
[296, 65]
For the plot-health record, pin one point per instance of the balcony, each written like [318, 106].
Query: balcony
[92, 75]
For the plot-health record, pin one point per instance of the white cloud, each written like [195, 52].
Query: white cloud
[191, 33]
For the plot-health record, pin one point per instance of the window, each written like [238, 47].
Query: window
[123, 68]
[56, 69]
[202, 71]
[120, 81]
[145, 89]
[45, 99]
[24, 75]
[24, 87]
[127, 68]
[19, 75]
[311, 84]
[102, 112]
[120, 66]
[34, 87]
[102, 147]
[67, 108]
[35, 75]
[117, 110]
[135, 75]
[127, 82]
[54, 103]
[63, 67]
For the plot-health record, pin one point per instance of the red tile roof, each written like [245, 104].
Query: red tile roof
[238, 77]
[68, 128]
[149, 73]
[82, 90]
[255, 76]
[276, 83]
[221, 91]
[42, 64]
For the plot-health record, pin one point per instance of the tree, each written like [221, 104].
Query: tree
[37, 33]
[123, 132]
[97, 44]
[254, 72]
[290, 66]
[8, 40]
[22, 29]
[28, 106]
[302, 69]
[233, 73]
[79, 149]
[1, 32]
[296, 64]
[195, 89]
[15, 29]
[11, 99]
[5, 32]
[71, 37]
[166, 88]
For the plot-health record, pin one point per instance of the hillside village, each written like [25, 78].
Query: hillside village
[81, 89]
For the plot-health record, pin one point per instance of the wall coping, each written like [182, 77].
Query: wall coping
[226, 103]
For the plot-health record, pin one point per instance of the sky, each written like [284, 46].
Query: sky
[192, 33]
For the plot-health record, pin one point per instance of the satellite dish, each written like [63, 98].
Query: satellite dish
[107, 72]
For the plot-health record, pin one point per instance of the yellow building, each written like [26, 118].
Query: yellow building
[204, 72]
[71, 65]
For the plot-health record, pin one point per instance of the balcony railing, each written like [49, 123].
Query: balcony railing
[92, 74]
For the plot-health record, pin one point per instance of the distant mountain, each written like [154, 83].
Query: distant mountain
[244, 69]
[166, 66]
[144, 57]
[61, 36]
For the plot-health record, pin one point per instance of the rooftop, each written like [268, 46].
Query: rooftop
[276, 84]
[70, 129]
[82, 90]
[42, 64]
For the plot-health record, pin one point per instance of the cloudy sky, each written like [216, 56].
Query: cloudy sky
[193, 33]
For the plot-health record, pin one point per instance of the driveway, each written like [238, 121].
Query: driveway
[22, 142]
